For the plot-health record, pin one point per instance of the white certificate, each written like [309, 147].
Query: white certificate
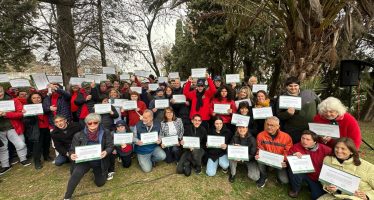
[221, 108]
[191, 142]
[170, 141]
[174, 75]
[149, 138]
[257, 87]
[33, 109]
[40, 80]
[7, 106]
[4, 78]
[55, 79]
[136, 89]
[76, 81]
[124, 76]
[153, 86]
[103, 108]
[19, 83]
[130, 105]
[301, 165]
[88, 153]
[179, 98]
[241, 119]
[91, 78]
[232, 78]
[100, 77]
[215, 141]
[122, 138]
[344, 181]
[198, 73]
[270, 159]
[286, 102]
[237, 152]
[109, 70]
[325, 129]
[243, 100]
[262, 113]
[162, 79]
[118, 102]
[161, 103]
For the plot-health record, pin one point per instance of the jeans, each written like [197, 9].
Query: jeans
[252, 168]
[61, 159]
[281, 173]
[211, 167]
[146, 160]
[19, 143]
[296, 181]
[172, 154]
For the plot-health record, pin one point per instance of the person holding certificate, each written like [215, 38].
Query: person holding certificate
[148, 154]
[200, 98]
[332, 111]
[223, 96]
[294, 122]
[114, 94]
[346, 158]
[218, 156]
[171, 126]
[134, 116]
[85, 102]
[192, 157]
[243, 137]
[158, 112]
[245, 93]
[273, 140]
[308, 146]
[181, 110]
[262, 100]
[11, 129]
[107, 120]
[93, 134]
[245, 109]
[37, 130]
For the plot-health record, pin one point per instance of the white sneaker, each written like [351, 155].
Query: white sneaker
[110, 176]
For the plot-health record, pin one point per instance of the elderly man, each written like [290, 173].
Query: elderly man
[148, 154]
[273, 140]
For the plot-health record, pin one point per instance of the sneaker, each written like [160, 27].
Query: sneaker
[198, 170]
[4, 170]
[25, 163]
[225, 171]
[293, 194]
[231, 178]
[14, 161]
[119, 160]
[110, 176]
[261, 182]
[38, 165]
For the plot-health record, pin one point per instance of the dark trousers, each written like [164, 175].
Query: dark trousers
[126, 161]
[190, 158]
[42, 145]
[172, 154]
[79, 171]
[296, 181]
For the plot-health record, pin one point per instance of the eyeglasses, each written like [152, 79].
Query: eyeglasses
[90, 123]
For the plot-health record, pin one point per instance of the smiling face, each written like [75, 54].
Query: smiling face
[243, 94]
[113, 94]
[242, 130]
[92, 125]
[271, 126]
[223, 93]
[218, 124]
[2, 93]
[169, 114]
[36, 98]
[261, 97]
[244, 111]
[293, 88]
[342, 151]
[330, 114]
[196, 121]
[60, 123]
[307, 141]
[168, 91]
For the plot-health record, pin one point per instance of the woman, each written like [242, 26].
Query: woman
[346, 158]
[134, 116]
[114, 94]
[242, 137]
[223, 97]
[168, 92]
[107, 120]
[171, 126]
[74, 90]
[93, 133]
[262, 101]
[332, 111]
[85, 102]
[245, 92]
[245, 109]
[218, 156]
[37, 130]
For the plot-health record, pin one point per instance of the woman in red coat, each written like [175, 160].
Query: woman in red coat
[332, 111]
[133, 116]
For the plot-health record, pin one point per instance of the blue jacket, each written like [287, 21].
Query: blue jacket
[141, 128]
[63, 106]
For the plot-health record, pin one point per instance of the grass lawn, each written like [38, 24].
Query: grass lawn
[162, 183]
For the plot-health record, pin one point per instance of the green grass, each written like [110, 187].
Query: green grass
[162, 183]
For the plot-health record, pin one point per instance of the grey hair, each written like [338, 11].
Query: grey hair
[332, 104]
[148, 111]
[92, 117]
[274, 118]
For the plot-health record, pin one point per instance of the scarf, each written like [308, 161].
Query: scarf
[264, 104]
[313, 148]
[92, 136]
[199, 96]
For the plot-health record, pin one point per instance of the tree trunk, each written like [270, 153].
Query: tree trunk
[154, 63]
[101, 33]
[247, 65]
[275, 77]
[66, 43]
[367, 113]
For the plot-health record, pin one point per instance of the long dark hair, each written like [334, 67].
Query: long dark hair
[352, 147]
[169, 109]
[29, 97]
[218, 93]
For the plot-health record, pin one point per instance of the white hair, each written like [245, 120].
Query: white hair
[273, 118]
[92, 117]
[332, 104]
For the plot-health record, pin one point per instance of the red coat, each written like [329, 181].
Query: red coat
[204, 111]
[348, 127]
[316, 157]
[132, 116]
[225, 118]
[16, 117]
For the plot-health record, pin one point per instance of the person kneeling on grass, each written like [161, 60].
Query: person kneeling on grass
[148, 154]
[92, 134]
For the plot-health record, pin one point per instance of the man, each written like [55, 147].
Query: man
[273, 140]
[158, 112]
[317, 152]
[57, 103]
[217, 81]
[181, 110]
[148, 154]
[11, 129]
[62, 137]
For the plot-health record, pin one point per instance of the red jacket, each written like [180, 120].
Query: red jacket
[16, 117]
[131, 115]
[204, 111]
[348, 127]
[225, 118]
[316, 156]
[279, 145]
[43, 121]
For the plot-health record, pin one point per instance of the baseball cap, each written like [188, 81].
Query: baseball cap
[200, 82]
[217, 78]
[120, 123]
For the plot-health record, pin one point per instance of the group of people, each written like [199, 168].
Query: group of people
[70, 121]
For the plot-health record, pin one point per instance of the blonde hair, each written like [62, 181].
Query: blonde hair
[248, 91]
[332, 103]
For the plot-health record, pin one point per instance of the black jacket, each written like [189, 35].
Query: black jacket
[62, 138]
[197, 132]
[215, 153]
[249, 141]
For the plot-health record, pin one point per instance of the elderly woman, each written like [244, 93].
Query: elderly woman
[346, 158]
[92, 134]
[332, 111]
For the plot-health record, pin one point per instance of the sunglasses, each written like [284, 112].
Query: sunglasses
[90, 123]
